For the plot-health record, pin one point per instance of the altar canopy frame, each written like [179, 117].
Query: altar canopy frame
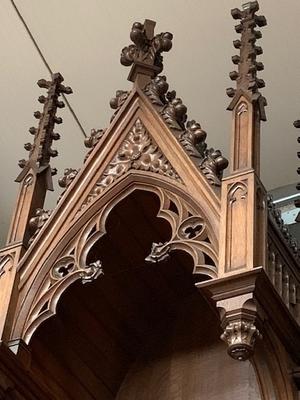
[153, 173]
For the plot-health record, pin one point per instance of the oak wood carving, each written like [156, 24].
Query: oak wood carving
[222, 269]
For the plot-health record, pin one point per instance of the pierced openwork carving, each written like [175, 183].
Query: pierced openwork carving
[240, 337]
[67, 265]
[139, 152]
[191, 233]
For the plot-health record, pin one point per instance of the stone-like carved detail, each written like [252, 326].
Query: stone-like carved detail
[138, 151]
[192, 137]
[91, 141]
[189, 234]
[117, 102]
[37, 222]
[240, 337]
[146, 48]
[275, 215]
[66, 180]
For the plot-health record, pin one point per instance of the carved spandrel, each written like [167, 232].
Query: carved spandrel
[189, 234]
[137, 152]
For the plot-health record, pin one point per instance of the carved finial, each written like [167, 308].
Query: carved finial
[247, 82]
[145, 54]
[41, 151]
[297, 202]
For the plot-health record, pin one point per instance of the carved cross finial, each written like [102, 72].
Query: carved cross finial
[297, 202]
[145, 54]
[247, 82]
[40, 152]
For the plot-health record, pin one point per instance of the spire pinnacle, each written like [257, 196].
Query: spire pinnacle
[145, 54]
[40, 151]
[247, 82]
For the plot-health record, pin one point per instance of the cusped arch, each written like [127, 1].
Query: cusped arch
[192, 232]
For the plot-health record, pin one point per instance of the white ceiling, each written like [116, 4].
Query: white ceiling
[82, 39]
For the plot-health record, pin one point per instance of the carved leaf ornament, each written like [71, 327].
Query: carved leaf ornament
[137, 152]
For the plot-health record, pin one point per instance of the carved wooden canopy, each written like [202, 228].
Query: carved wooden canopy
[241, 253]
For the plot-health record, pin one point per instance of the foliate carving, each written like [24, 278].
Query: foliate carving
[156, 90]
[213, 166]
[91, 141]
[117, 102]
[159, 252]
[275, 215]
[189, 234]
[240, 337]
[193, 140]
[91, 272]
[67, 179]
[191, 136]
[146, 48]
[174, 113]
[38, 221]
[139, 152]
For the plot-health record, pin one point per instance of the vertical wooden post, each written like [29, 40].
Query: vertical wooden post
[243, 203]
[35, 179]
